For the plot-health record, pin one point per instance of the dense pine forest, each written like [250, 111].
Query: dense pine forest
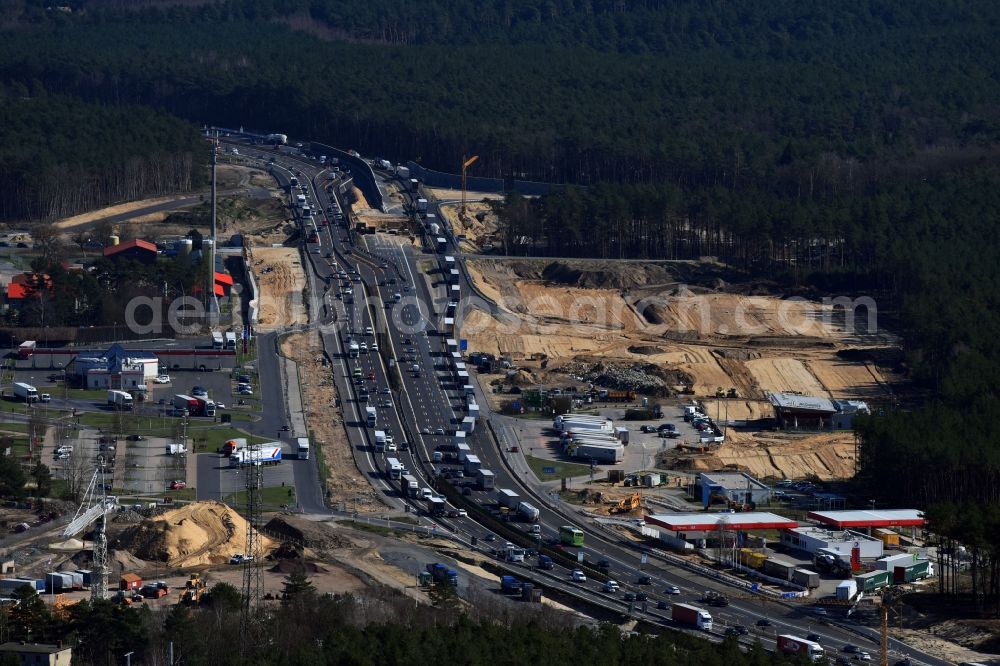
[848, 148]
[378, 627]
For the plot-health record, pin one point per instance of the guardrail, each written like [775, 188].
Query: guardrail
[360, 170]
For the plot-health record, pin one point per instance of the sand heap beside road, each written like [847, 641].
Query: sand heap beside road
[281, 280]
[196, 534]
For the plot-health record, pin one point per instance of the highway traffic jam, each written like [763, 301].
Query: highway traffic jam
[415, 425]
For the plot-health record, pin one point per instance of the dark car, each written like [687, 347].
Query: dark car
[604, 565]
[764, 622]
[669, 427]
[813, 637]
[647, 428]
[641, 596]
[662, 605]
[644, 580]
[629, 596]
[850, 649]
[135, 438]
[741, 630]
[731, 631]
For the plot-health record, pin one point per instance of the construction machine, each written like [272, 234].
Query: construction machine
[193, 589]
[628, 505]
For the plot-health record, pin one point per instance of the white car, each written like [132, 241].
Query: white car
[672, 589]
[579, 576]
[369, 330]
[374, 346]
[45, 397]
[162, 379]
[462, 513]
[611, 586]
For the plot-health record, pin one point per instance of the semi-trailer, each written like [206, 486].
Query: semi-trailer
[192, 405]
[233, 445]
[435, 506]
[25, 392]
[120, 399]
[507, 498]
[371, 417]
[527, 512]
[600, 453]
[408, 486]
[805, 578]
[691, 616]
[472, 464]
[788, 644]
[267, 454]
[485, 479]
[206, 407]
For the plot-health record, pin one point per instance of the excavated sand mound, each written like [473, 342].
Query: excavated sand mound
[197, 534]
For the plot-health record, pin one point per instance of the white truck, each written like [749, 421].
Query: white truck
[277, 139]
[380, 440]
[27, 392]
[175, 449]
[527, 512]
[120, 399]
[371, 417]
[507, 498]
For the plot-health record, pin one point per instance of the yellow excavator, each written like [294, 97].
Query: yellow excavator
[628, 505]
[193, 590]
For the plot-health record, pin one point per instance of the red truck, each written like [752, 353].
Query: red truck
[788, 644]
[192, 405]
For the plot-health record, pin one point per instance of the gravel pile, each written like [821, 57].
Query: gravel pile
[128, 516]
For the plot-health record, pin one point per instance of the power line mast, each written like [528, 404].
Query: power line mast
[252, 583]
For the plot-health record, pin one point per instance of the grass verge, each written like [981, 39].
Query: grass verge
[559, 470]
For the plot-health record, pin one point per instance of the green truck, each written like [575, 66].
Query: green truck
[912, 572]
[873, 580]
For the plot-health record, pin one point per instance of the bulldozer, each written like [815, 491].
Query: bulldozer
[628, 505]
[193, 590]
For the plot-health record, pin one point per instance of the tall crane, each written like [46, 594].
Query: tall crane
[94, 509]
[466, 163]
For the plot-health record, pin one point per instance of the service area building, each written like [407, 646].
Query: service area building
[734, 487]
[680, 530]
[808, 412]
[814, 539]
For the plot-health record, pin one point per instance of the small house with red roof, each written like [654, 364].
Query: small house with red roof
[138, 250]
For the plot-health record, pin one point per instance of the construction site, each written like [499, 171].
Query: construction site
[693, 333]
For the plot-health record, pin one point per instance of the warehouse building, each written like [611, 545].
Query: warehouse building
[808, 412]
[116, 368]
[735, 487]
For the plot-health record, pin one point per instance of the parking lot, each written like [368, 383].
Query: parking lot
[538, 439]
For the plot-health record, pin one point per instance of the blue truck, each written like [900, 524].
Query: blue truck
[510, 585]
[440, 572]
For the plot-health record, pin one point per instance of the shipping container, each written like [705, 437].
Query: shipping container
[847, 590]
[912, 572]
[874, 580]
[892, 561]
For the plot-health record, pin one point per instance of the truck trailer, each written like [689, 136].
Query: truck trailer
[485, 479]
[277, 139]
[267, 454]
[408, 486]
[120, 399]
[26, 392]
[371, 417]
[606, 455]
[527, 512]
[507, 498]
[788, 644]
[691, 616]
[192, 405]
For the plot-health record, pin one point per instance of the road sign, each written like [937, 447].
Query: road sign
[644, 558]
[788, 595]
[548, 470]
[755, 587]
[579, 556]
[463, 345]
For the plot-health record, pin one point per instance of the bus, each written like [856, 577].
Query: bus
[395, 469]
[570, 536]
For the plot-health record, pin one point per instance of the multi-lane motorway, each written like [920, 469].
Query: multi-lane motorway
[424, 407]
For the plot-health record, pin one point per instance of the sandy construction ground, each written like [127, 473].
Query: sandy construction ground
[344, 482]
[281, 279]
[477, 233]
[444, 194]
[86, 218]
[199, 533]
[716, 337]
[784, 455]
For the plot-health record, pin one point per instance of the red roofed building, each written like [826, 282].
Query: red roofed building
[223, 285]
[23, 286]
[135, 250]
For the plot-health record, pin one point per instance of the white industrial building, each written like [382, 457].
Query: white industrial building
[814, 539]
